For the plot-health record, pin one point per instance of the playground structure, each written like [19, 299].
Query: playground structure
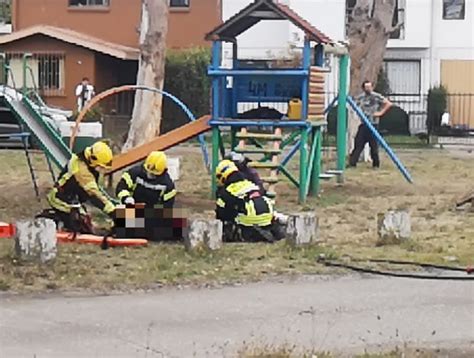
[283, 85]
[302, 133]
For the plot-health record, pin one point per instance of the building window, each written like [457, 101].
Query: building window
[89, 2]
[5, 12]
[454, 9]
[398, 17]
[50, 72]
[404, 77]
[45, 72]
[179, 3]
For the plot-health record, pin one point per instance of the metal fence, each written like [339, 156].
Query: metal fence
[460, 108]
[416, 108]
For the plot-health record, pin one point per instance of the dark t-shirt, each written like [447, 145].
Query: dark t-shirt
[370, 103]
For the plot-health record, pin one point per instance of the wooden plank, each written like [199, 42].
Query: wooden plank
[316, 88]
[270, 180]
[162, 142]
[252, 150]
[264, 165]
[259, 136]
[317, 117]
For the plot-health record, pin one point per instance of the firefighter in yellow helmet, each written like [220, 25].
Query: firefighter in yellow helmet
[241, 205]
[148, 183]
[78, 183]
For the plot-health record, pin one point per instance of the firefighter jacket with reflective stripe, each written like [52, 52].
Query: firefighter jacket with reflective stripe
[78, 183]
[241, 201]
[149, 191]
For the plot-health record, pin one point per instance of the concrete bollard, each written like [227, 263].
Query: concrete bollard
[302, 228]
[204, 233]
[36, 240]
[393, 227]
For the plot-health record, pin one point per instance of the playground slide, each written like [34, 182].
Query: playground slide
[49, 140]
[162, 142]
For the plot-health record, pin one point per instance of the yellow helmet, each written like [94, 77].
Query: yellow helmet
[99, 154]
[156, 163]
[224, 169]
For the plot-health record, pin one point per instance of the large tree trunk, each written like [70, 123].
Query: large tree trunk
[146, 117]
[369, 28]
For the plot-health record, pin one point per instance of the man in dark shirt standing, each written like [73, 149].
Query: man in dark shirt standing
[370, 103]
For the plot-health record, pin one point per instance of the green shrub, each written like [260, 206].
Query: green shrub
[437, 104]
[186, 78]
[92, 115]
[395, 121]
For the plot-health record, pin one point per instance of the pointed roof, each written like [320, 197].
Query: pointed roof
[76, 38]
[264, 10]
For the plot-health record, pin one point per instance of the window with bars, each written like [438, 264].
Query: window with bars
[404, 76]
[45, 72]
[89, 2]
[179, 3]
[49, 72]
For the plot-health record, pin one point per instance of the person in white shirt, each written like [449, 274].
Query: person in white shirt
[84, 93]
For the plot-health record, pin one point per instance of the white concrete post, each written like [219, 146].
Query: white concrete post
[36, 240]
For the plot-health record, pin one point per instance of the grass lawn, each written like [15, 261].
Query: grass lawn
[347, 217]
[294, 352]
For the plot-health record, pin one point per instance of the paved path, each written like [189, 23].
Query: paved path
[343, 314]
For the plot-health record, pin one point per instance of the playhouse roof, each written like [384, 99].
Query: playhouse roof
[264, 10]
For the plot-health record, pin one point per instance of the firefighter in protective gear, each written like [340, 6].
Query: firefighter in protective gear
[240, 202]
[78, 183]
[248, 172]
[148, 183]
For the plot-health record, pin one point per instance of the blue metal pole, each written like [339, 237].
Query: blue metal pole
[333, 102]
[292, 151]
[379, 138]
[231, 72]
[216, 62]
[258, 123]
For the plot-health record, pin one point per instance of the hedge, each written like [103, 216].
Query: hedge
[437, 104]
[186, 78]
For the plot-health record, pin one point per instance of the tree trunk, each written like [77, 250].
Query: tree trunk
[369, 28]
[370, 25]
[146, 116]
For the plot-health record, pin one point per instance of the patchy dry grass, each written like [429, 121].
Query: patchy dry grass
[347, 227]
[293, 351]
[88, 267]
[348, 213]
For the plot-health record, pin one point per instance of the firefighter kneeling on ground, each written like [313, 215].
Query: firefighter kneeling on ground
[242, 207]
[78, 183]
[148, 183]
[150, 187]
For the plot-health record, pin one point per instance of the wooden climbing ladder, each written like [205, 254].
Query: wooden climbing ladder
[272, 151]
